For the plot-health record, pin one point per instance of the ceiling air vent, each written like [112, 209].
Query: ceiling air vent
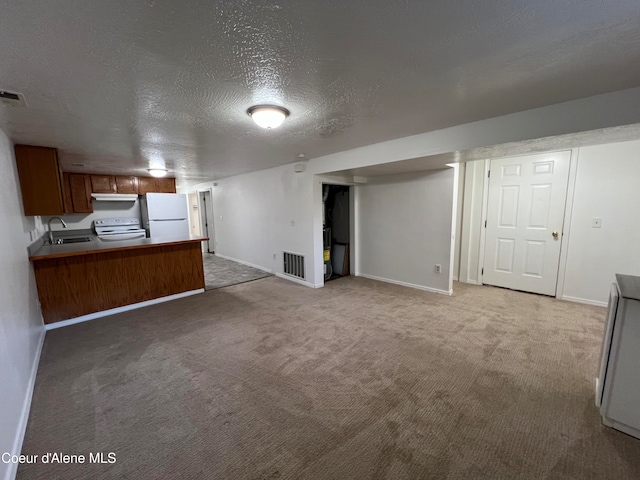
[13, 99]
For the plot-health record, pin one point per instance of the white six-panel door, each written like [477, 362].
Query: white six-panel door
[525, 214]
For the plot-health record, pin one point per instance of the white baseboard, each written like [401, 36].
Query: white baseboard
[583, 300]
[297, 280]
[126, 308]
[12, 468]
[244, 263]
[406, 284]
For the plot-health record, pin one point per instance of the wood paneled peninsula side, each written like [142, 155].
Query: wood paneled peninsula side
[76, 280]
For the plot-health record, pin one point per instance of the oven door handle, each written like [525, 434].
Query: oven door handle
[121, 236]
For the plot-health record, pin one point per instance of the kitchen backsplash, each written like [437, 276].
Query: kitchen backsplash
[80, 221]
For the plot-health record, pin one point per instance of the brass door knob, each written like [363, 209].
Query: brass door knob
[555, 235]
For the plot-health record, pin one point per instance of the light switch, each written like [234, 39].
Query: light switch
[596, 222]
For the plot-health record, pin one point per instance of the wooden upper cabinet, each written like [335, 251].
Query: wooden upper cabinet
[40, 180]
[166, 185]
[126, 184]
[146, 185]
[80, 192]
[66, 194]
[103, 184]
[156, 185]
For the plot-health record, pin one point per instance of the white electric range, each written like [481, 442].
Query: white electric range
[110, 229]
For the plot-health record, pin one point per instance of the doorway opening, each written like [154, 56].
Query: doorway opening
[337, 230]
[205, 208]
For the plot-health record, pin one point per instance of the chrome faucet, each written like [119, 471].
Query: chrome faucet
[64, 225]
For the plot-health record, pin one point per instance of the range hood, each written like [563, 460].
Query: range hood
[114, 197]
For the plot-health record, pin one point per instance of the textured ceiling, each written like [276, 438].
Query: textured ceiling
[122, 85]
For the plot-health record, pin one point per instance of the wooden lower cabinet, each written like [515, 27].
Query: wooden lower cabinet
[72, 286]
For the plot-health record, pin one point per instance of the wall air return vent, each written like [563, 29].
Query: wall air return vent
[11, 98]
[293, 265]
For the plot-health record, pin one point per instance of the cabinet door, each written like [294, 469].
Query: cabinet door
[166, 185]
[66, 194]
[147, 185]
[40, 180]
[80, 188]
[103, 184]
[126, 184]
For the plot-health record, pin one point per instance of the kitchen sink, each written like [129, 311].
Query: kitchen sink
[64, 241]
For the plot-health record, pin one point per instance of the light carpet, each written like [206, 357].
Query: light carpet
[359, 379]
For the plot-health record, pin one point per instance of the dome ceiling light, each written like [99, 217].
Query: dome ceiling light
[158, 172]
[268, 116]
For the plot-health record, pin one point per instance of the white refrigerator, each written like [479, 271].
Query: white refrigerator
[165, 215]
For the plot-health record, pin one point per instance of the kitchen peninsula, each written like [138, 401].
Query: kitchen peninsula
[83, 281]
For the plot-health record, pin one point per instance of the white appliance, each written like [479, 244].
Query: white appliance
[165, 215]
[618, 382]
[110, 229]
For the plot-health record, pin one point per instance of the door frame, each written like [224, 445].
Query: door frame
[473, 242]
[353, 238]
[210, 229]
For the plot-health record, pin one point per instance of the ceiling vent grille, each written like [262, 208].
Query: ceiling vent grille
[293, 264]
[13, 99]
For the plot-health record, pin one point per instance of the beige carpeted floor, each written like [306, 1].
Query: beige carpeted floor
[360, 379]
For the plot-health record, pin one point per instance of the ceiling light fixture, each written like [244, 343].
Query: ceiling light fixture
[268, 116]
[158, 172]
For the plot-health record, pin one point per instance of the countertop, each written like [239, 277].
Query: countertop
[629, 286]
[100, 246]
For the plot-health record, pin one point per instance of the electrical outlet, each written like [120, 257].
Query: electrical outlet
[438, 268]
[293, 223]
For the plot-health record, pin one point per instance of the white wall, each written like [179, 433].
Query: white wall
[21, 327]
[404, 227]
[607, 186]
[82, 221]
[260, 214]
